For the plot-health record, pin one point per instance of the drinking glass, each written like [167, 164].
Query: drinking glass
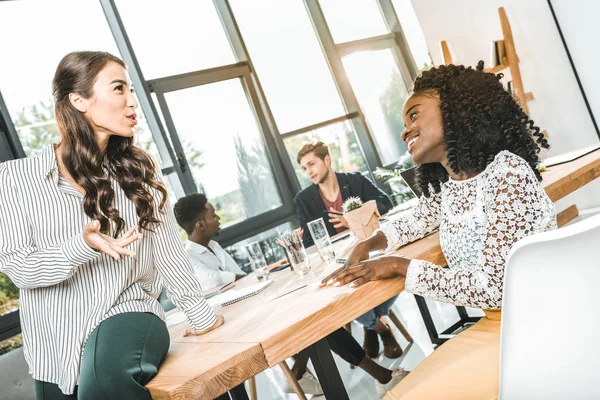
[320, 236]
[259, 264]
[296, 254]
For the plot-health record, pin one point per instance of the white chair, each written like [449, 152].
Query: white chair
[550, 348]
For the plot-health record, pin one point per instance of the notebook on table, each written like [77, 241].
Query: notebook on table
[234, 295]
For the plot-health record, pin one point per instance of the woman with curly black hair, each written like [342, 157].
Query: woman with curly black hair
[477, 156]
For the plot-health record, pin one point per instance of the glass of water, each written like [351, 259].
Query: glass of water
[295, 252]
[320, 236]
[259, 264]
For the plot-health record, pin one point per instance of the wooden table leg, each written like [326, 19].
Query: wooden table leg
[399, 325]
[292, 380]
[327, 372]
[252, 384]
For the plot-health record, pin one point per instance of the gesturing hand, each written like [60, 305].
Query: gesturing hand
[368, 270]
[108, 245]
[338, 221]
[220, 321]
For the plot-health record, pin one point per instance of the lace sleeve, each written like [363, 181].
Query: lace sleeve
[516, 206]
[415, 223]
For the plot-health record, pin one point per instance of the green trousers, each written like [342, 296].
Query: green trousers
[120, 357]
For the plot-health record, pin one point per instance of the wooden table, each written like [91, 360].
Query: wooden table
[259, 334]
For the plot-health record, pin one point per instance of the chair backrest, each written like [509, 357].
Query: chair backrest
[550, 347]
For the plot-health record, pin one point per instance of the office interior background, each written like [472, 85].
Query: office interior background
[230, 90]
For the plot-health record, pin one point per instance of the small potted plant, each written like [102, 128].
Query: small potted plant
[362, 218]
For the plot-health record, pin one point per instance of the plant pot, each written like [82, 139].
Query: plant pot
[363, 221]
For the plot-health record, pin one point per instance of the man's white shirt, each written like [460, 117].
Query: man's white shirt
[212, 269]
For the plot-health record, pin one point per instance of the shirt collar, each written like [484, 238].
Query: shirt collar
[198, 247]
[49, 162]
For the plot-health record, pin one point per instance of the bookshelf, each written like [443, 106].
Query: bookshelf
[507, 58]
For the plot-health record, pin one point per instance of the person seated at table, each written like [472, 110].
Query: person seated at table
[213, 265]
[327, 193]
[477, 156]
[196, 215]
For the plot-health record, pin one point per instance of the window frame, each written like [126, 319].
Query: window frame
[173, 158]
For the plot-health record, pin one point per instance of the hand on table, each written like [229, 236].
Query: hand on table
[368, 270]
[220, 321]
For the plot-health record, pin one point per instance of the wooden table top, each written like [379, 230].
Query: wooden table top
[260, 332]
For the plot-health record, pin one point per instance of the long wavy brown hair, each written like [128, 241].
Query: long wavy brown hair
[130, 166]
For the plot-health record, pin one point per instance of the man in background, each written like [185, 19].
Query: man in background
[213, 265]
[327, 193]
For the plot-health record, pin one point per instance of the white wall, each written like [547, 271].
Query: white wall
[469, 26]
[578, 21]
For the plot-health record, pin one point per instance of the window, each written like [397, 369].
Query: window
[41, 33]
[413, 32]
[381, 92]
[271, 250]
[226, 154]
[289, 62]
[26, 83]
[353, 19]
[175, 37]
[343, 148]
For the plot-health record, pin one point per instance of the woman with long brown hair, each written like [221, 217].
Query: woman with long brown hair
[87, 235]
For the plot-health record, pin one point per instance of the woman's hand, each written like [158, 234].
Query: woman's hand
[369, 270]
[106, 244]
[220, 321]
[359, 253]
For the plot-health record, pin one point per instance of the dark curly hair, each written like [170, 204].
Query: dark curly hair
[480, 119]
[132, 167]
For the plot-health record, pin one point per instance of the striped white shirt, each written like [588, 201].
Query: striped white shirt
[67, 288]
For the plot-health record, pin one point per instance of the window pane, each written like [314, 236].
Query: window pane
[381, 92]
[353, 19]
[9, 302]
[174, 37]
[343, 148]
[26, 83]
[226, 154]
[289, 62]
[272, 251]
[413, 32]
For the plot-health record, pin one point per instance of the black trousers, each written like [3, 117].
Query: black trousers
[344, 345]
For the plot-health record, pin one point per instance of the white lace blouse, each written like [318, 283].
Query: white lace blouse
[479, 220]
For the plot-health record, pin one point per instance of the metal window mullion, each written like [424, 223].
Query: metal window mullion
[12, 139]
[406, 61]
[254, 103]
[181, 159]
[343, 84]
[197, 78]
[280, 149]
[143, 94]
[319, 125]
[274, 141]
[256, 225]
[373, 43]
